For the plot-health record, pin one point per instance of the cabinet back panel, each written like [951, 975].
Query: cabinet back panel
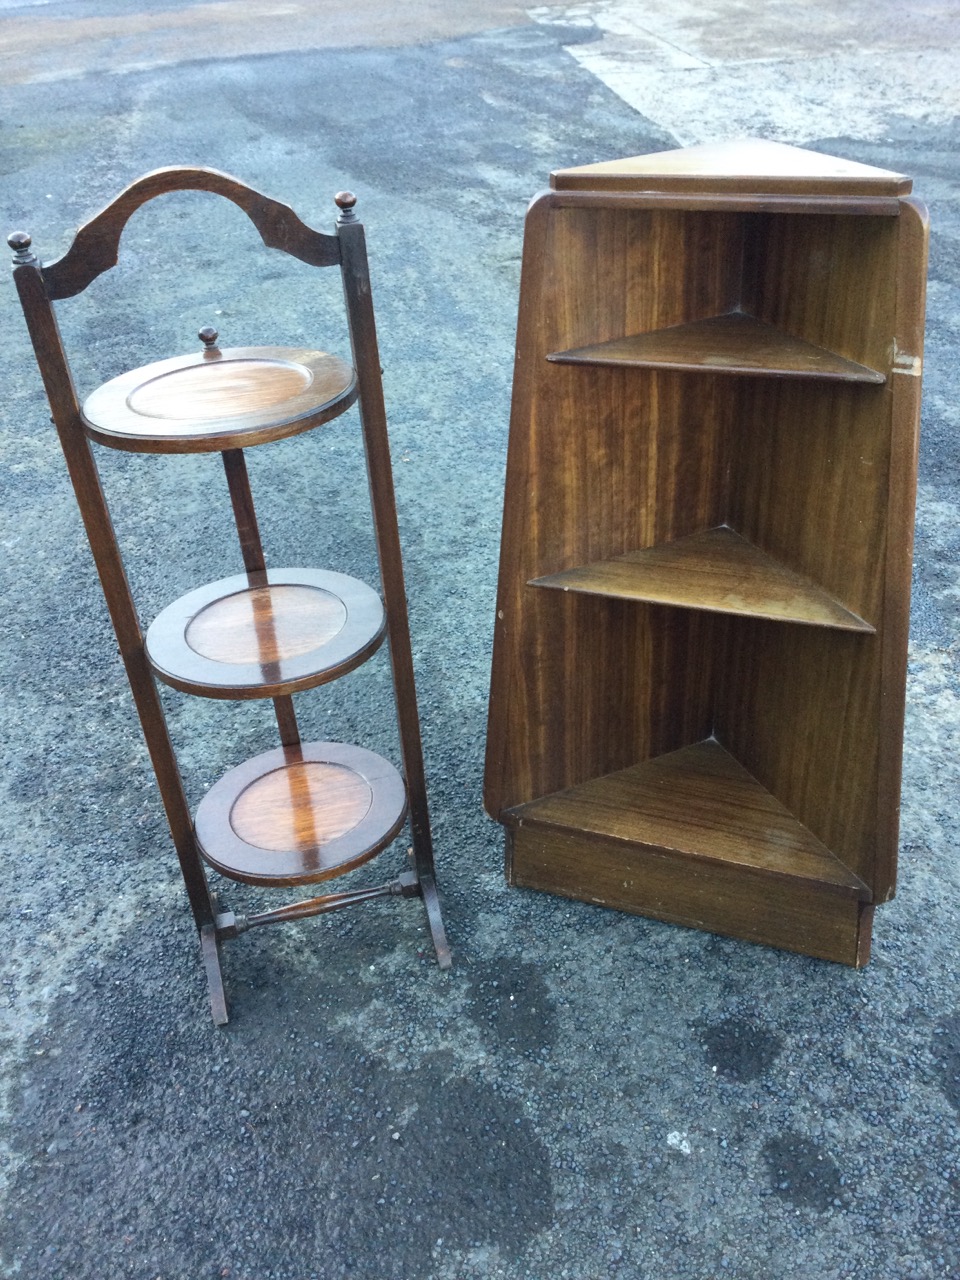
[612, 272]
[798, 707]
[600, 685]
[604, 461]
[808, 482]
[620, 459]
[829, 280]
[582, 678]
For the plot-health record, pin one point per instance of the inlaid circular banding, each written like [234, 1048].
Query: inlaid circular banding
[266, 624]
[219, 389]
[216, 400]
[297, 815]
[264, 634]
[301, 807]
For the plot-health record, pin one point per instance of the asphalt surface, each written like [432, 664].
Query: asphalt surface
[586, 1094]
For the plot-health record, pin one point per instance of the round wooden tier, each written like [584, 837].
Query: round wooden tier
[263, 634]
[296, 815]
[215, 400]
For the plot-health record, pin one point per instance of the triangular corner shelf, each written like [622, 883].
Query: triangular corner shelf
[742, 165]
[716, 571]
[734, 343]
[698, 802]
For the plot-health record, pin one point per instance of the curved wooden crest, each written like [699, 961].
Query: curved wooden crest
[95, 246]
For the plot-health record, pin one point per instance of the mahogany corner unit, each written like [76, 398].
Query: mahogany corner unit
[700, 644]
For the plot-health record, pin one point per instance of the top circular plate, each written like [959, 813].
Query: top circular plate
[216, 400]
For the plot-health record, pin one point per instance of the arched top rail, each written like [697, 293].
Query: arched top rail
[95, 246]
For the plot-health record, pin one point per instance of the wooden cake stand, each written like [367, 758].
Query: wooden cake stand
[304, 812]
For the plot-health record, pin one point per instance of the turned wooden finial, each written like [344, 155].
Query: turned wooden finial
[208, 336]
[345, 200]
[20, 243]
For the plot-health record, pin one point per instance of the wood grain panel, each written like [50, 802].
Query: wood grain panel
[824, 279]
[914, 234]
[799, 708]
[602, 461]
[807, 483]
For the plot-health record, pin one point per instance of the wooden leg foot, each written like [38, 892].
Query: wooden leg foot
[431, 900]
[211, 963]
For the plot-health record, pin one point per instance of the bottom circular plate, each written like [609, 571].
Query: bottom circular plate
[296, 815]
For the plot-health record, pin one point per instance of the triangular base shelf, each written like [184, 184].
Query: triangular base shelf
[701, 802]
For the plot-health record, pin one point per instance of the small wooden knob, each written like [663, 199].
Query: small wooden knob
[208, 336]
[345, 200]
[20, 243]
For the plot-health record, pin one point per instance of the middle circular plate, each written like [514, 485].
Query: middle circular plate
[259, 635]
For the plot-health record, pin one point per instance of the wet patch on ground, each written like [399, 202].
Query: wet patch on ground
[165, 1120]
[739, 1049]
[802, 1172]
[512, 1006]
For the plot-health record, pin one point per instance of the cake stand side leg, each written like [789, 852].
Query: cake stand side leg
[55, 371]
[373, 419]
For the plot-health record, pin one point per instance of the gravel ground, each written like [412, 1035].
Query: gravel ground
[586, 1094]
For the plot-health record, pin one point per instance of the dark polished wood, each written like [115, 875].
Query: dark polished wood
[85, 478]
[254, 561]
[405, 886]
[219, 400]
[257, 635]
[96, 245]
[301, 817]
[210, 952]
[244, 512]
[711, 469]
[45, 335]
[298, 815]
[373, 418]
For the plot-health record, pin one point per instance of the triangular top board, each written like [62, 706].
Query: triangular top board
[746, 166]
